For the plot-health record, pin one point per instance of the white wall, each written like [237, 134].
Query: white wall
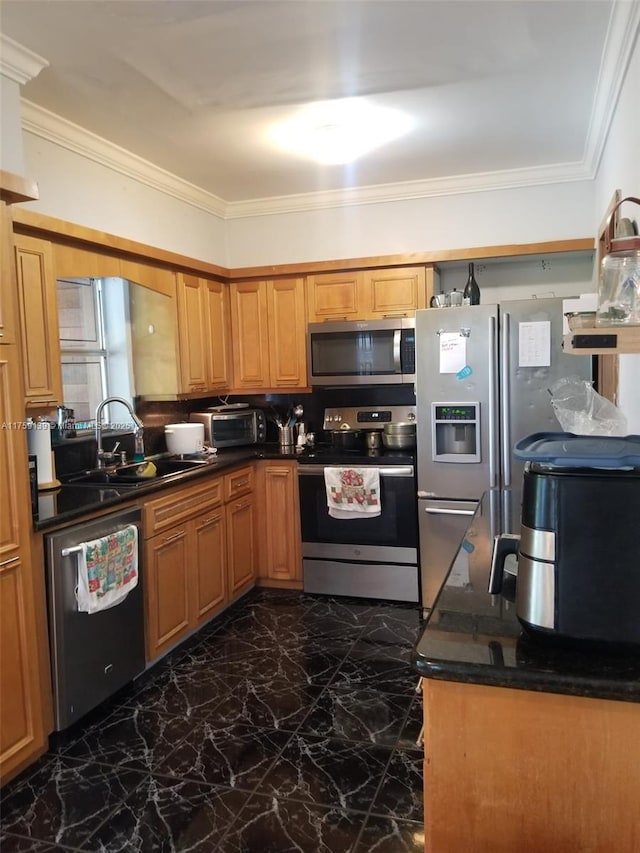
[526, 215]
[79, 190]
[620, 169]
[11, 156]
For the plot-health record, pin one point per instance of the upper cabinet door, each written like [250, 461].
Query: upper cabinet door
[287, 333]
[250, 339]
[8, 306]
[334, 296]
[39, 322]
[193, 335]
[216, 299]
[394, 292]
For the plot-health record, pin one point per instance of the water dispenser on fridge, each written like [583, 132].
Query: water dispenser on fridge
[455, 432]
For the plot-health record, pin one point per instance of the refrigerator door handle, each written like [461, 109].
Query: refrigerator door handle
[493, 405]
[505, 367]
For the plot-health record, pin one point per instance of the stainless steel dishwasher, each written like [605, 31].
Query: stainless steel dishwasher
[92, 655]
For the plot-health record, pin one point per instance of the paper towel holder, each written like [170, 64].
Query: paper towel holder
[39, 441]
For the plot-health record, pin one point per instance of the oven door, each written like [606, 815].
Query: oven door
[370, 557]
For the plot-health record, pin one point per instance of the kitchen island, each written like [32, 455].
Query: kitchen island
[529, 745]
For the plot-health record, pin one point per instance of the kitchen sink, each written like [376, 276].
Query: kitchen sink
[129, 475]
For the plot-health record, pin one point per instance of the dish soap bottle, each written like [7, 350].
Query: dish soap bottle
[471, 294]
[138, 451]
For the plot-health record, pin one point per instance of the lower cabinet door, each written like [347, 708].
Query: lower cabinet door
[209, 542]
[167, 583]
[241, 535]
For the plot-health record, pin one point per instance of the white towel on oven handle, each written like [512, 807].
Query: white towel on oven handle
[353, 492]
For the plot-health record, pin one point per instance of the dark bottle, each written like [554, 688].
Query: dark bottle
[471, 293]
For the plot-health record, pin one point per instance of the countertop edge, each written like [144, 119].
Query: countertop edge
[226, 460]
[480, 674]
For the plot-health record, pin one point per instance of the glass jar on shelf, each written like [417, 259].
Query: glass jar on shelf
[619, 277]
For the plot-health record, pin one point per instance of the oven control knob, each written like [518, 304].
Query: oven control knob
[411, 416]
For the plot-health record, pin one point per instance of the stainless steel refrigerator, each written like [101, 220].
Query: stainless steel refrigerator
[483, 375]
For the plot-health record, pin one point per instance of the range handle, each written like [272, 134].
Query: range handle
[385, 471]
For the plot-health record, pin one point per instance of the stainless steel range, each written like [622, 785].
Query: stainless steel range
[370, 557]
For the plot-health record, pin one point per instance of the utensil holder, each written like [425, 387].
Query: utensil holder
[286, 435]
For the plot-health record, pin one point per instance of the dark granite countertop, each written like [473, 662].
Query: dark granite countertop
[474, 637]
[71, 502]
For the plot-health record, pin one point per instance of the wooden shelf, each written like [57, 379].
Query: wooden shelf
[607, 340]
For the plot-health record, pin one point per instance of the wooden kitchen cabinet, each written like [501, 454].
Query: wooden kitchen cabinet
[394, 292]
[241, 521]
[269, 334]
[155, 278]
[216, 299]
[203, 323]
[366, 294]
[280, 560]
[38, 304]
[167, 569]
[528, 771]
[185, 562]
[335, 297]
[25, 709]
[73, 262]
[8, 291]
[209, 592]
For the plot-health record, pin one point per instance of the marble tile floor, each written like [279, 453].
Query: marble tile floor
[287, 724]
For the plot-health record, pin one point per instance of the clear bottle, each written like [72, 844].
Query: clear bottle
[138, 452]
[471, 294]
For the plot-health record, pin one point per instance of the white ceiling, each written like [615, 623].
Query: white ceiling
[494, 87]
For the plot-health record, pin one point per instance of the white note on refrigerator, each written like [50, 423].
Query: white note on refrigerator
[534, 344]
[453, 352]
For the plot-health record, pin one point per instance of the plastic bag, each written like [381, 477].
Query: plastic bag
[581, 410]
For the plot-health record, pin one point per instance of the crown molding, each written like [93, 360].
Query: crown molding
[47, 125]
[18, 63]
[453, 185]
[623, 30]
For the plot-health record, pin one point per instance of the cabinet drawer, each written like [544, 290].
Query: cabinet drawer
[181, 505]
[238, 483]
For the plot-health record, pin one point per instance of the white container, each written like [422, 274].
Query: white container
[184, 438]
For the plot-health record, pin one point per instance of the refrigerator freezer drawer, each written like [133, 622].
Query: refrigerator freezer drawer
[441, 525]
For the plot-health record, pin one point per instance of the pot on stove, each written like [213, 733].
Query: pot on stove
[347, 439]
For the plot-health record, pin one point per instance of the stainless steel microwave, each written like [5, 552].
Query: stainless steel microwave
[231, 426]
[362, 352]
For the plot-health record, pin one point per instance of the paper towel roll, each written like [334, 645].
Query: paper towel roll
[39, 441]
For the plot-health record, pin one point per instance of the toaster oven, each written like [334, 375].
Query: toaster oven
[232, 427]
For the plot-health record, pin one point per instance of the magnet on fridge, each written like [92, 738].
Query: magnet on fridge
[466, 371]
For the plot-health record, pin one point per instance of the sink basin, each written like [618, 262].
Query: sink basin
[128, 475]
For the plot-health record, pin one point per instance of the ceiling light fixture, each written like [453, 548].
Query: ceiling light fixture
[335, 132]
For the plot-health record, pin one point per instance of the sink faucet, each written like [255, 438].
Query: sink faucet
[137, 430]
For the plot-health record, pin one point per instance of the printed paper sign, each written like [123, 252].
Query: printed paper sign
[453, 352]
[534, 344]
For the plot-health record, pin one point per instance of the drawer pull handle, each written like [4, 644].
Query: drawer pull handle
[175, 536]
[9, 561]
[239, 483]
[40, 402]
[211, 520]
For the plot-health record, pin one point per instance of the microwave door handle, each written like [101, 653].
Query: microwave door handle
[397, 339]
